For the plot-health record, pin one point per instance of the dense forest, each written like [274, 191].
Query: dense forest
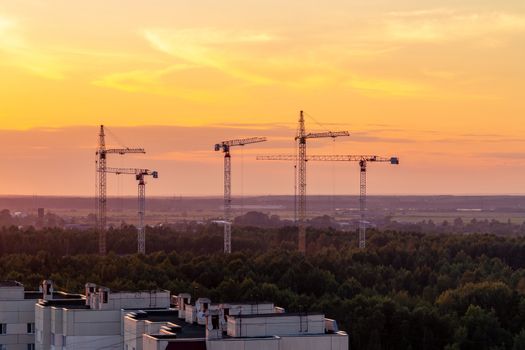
[405, 291]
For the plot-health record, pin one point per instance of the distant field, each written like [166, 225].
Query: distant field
[129, 216]
[515, 218]
[343, 208]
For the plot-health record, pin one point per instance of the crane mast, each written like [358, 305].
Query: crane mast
[101, 192]
[227, 202]
[225, 146]
[301, 183]
[139, 176]
[141, 229]
[101, 169]
[301, 160]
[362, 204]
[362, 160]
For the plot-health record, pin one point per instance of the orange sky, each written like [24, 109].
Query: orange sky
[438, 83]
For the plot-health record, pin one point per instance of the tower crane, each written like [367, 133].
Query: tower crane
[139, 176]
[301, 138]
[225, 146]
[363, 160]
[101, 167]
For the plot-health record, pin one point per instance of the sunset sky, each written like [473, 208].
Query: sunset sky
[438, 83]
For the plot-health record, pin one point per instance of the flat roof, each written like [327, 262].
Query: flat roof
[33, 295]
[182, 329]
[71, 301]
[174, 339]
[189, 331]
[248, 303]
[77, 307]
[11, 284]
[156, 315]
[279, 315]
[64, 295]
[116, 291]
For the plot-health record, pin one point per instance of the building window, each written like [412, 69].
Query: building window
[3, 330]
[31, 328]
[3, 347]
[30, 346]
[105, 297]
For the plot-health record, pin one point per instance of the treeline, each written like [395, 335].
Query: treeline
[458, 225]
[405, 291]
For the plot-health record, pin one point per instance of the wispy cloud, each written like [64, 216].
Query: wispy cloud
[153, 81]
[210, 48]
[245, 55]
[18, 52]
[441, 25]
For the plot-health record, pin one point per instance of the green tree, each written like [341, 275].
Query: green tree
[519, 341]
[480, 329]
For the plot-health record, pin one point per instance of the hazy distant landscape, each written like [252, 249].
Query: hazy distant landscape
[327, 203]
[402, 209]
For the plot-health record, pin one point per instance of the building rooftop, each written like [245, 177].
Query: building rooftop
[66, 300]
[10, 284]
[180, 328]
[247, 303]
[185, 330]
[66, 296]
[279, 315]
[63, 303]
[116, 291]
[33, 295]
[163, 315]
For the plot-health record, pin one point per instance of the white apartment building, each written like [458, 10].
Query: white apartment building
[231, 326]
[145, 320]
[185, 320]
[95, 323]
[17, 316]
[278, 331]
[156, 322]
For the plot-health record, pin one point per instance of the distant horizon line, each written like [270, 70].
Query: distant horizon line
[219, 196]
